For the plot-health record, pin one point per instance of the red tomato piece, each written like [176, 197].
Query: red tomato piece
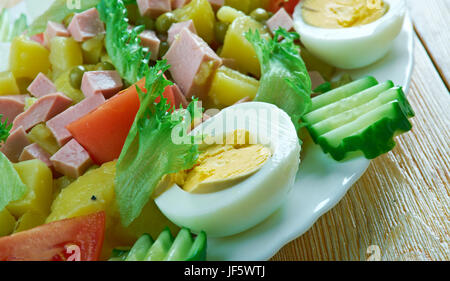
[79, 239]
[288, 5]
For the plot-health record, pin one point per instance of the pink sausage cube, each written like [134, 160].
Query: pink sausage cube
[154, 8]
[71, 160]
[42, 110]
[35, 151]
[15, 144]
[176, 28]
[41, 86]
[86, 25]
[107, 83]
[150, 41]
[57, 124]
[11, 106]
[280, 19]
[179, 3]
[188, 55]
[316, 79]
[54, 29]
[180, 99]
[216, 4]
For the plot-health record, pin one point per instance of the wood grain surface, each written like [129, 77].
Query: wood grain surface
[399, 209]
[400, 206]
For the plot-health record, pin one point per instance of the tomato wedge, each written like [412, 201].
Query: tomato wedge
[103, 131]
[288, 5]
[79, 239]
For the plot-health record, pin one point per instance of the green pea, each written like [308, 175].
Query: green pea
[164, 22]
[105, 66]
[220, 30]
[260, 15]
[163, 48]
[76, 75]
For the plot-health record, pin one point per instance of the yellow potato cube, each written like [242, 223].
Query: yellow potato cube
[93, 49]
[247, 6]
[230, 86]
[65, 53]
[42, 135]
[29, 220]
[39, 180]
[237, 47]
[28, 58]
[94, 192]
[8, 84]
[202, 14]
[7, 223]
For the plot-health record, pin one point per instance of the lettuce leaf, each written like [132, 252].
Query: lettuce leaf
[11, 186]
[285, 81]
[123, 45]
[57, 12]
[149, 152]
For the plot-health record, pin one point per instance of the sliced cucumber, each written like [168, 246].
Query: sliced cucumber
[19, 27]
[4, 25]
[181, 246]
[372, 133]
[198, 250]
[343, 92]
[119, 254]
[347, 103]
[140, 248]
[161, 247]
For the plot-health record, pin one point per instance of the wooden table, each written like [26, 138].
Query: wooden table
[400, 206]
[399, 210]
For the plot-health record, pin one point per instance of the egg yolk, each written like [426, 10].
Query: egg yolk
[342, 13]
[222, 165]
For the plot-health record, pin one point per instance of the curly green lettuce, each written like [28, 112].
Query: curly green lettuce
[11, 186]
[285, 81]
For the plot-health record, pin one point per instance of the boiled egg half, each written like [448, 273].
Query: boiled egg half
[355, 46]
[249, 158]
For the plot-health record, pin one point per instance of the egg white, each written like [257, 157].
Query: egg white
[244, 205]
[353, 47]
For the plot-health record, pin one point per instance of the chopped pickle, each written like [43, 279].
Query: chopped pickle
[8, 84]
[42, 135]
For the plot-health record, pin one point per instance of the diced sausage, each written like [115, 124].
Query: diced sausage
[15, 144]
[176, 28]
[150, 41]
[71, 160]
[42, 110]
[216, 4]
[193, 63]
[179, 3]
[154, 8]
[35, 151]
[280, 19]
[41, 86]
[107, 83]
[86, 25]
[244, 100]
[57, 124]
[316, 79]
[180, 99]
[11, 106]
[54, 29]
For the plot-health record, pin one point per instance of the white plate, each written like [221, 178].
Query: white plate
[321, 182]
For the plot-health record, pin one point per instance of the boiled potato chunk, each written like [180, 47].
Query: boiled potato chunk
[237, 47]
[28, 58]
[230, 86]
[42, 135]
[8, 84]
[29, 220]
[39, 180]
[65, 53]
[7, 223]
[202, 14]
[247, 6]
[93, 192]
